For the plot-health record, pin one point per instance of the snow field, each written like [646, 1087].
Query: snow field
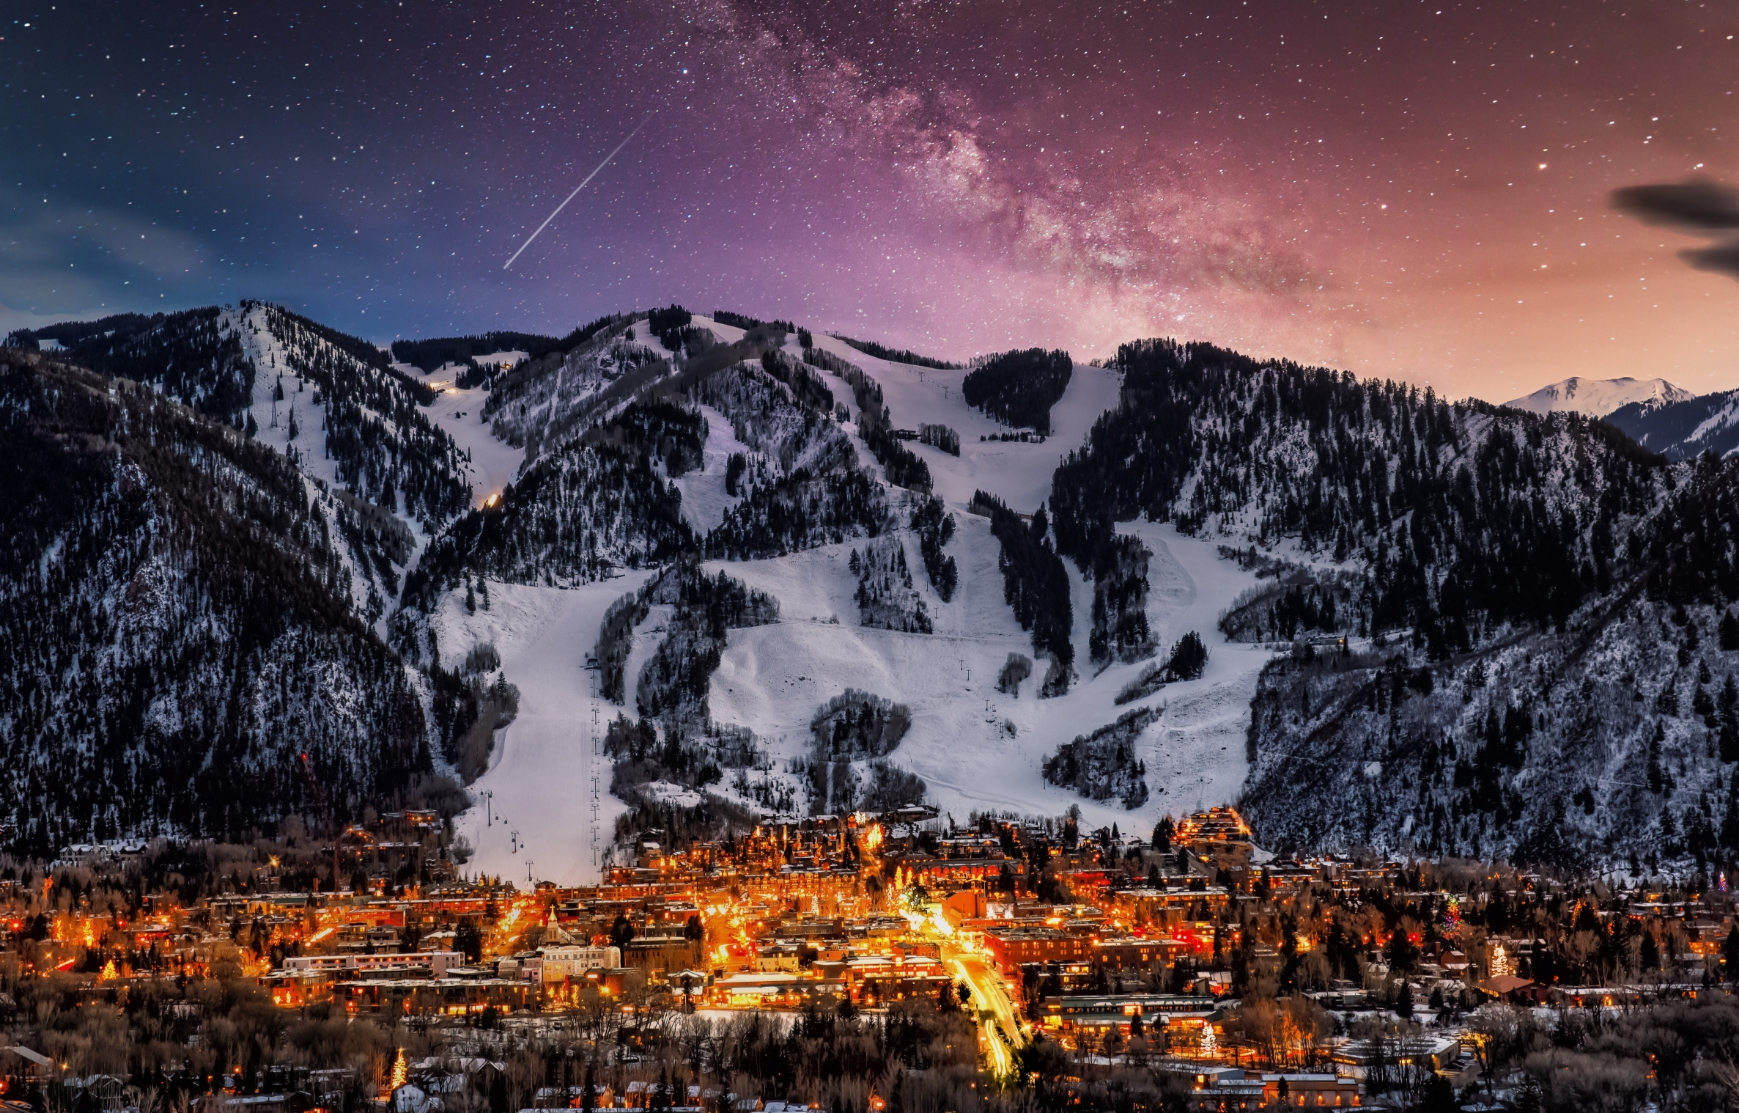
[542, 767]
[1196, 753]
[459, 413]
[1017, 472]
[704, 500]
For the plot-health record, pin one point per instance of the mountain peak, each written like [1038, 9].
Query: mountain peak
[1599, 397]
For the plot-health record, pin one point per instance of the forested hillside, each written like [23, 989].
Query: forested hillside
[1019, 388]
[176, 628]
[1467, 517]
[1453, 627]
[277, 376]
[1684, 429]
[1538, 606]
[383, 446]
[602, 503]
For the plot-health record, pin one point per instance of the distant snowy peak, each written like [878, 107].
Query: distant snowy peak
[1599, 397]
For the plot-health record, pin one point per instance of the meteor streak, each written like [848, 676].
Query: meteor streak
[576, 192]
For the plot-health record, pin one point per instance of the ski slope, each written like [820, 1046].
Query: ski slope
[704, 498]
[1019, 473]
[491, 463]
[976, 748]
[538, 818]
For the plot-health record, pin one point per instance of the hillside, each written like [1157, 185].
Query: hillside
[176, 626]
[1684, 430]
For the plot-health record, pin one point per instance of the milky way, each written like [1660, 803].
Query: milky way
[1420, 191]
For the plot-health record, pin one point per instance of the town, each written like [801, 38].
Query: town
[861, 962]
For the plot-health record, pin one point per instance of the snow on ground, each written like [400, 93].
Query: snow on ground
[459, 412]
[493, 463]
[727, 334]
[772, 678]
[1196, 754]
[1599, 397]
[704, 500]
[274, 418]
[542, 768]
[1017, 472]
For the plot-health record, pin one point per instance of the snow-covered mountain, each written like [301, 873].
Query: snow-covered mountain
[181, 651]
[1687, 429]
[678, 572]
[1599, 397]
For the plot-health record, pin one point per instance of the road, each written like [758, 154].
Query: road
[1000, 1018]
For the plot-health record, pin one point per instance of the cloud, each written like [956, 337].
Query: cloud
[1721, 259]
[1701, 206]
[1695, 204]
[60, 258]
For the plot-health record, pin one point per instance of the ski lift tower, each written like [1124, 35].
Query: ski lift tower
[597, 740]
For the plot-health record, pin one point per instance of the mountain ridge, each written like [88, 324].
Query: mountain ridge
[1600, 397]
[797, 518]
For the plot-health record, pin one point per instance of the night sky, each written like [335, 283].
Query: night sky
[1413, 190]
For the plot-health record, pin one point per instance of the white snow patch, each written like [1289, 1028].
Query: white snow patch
[1599, 397]
[491, 464]
[704, 499]
[542, 770]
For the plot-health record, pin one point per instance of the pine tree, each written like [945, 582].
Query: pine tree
[1729, 720]
[1730, 821]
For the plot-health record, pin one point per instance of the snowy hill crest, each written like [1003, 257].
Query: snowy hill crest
[1599, 397]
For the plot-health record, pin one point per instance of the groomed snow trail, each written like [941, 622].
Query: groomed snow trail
[541, 769]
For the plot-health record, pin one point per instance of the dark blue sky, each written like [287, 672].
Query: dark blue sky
[1407, 189]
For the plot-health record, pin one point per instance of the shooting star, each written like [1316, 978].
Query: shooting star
[575, 193]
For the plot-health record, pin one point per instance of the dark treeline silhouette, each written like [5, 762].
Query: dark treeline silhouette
[187, 353]
[895, 355]
[1120, 630]
[1102, 765]
[805, 384]
[672, 325]
[935, 528]
[801, 511]
[1019, 388]
[436, 352]
[885, 596]
[1035, 584]
[72, 334]
[746, 322]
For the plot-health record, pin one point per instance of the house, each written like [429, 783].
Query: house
[1310, 1091]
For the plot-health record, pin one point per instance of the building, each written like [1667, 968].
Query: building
[557, 964]
[437, 962]
[1120, 1010]
[1012, 948]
